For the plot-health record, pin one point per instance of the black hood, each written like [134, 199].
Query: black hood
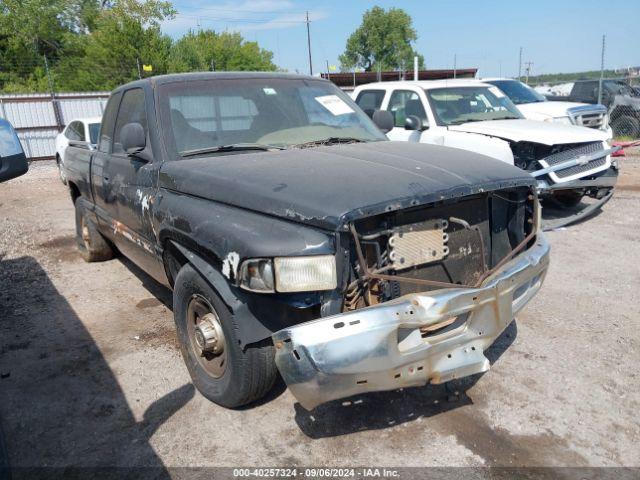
[331, 185]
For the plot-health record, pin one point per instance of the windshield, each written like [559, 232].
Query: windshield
[619, 88]
[457, 105]
[94, 130]
[518, 92]
[248, 113]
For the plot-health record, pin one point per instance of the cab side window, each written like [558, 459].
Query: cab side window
[108, 119]
[132, 110]
[404, 103]
[370, 100]
[75, 131]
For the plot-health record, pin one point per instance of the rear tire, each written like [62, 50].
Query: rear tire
[230, 376]
[92, 245]
[626, 126]
[61, 172]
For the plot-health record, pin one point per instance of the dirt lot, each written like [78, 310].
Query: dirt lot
[91, 374]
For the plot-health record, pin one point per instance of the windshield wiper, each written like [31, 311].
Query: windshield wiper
[329, 141]
[460, 122]
[234, 147]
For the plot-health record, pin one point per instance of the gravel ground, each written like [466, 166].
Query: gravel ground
[91, 374]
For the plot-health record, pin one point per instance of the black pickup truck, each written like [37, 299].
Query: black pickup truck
[621, 100]
[297, 239]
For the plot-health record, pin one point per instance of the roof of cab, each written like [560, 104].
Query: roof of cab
[195, 76]
[426, 84]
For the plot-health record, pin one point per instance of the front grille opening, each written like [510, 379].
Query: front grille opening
[480, 231]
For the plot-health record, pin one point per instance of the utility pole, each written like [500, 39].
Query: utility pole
[601, 69]
[49, 78]
[520, 65]
[309, 45]
[213, 65]
[527, 71]
[139, 71]
[455, 65]
[328, 72]
[54, 103]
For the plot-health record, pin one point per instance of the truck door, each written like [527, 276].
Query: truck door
[133, 180]
[102, 188]
[403, 103]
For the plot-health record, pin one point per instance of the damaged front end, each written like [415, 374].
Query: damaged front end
[429, 289]
[566, 173]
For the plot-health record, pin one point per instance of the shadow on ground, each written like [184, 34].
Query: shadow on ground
[557, 216]
[61, 408]
[375, 411]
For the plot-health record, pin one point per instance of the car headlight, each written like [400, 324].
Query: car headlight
[565, 120]
[289, 274]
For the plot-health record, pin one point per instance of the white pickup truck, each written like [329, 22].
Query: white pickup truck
[536, 106]
[568, 161]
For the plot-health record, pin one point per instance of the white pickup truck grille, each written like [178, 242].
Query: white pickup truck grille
[592, 116]
[576, 171]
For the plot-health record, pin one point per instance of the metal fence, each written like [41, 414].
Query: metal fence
[621, 96]
[38, 118]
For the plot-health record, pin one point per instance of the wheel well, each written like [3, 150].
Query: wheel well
[74, 191]
[173, 261]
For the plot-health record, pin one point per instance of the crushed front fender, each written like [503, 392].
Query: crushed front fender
[385, 347]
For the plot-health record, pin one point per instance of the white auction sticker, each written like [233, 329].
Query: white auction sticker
[497, 92]
[334, 104]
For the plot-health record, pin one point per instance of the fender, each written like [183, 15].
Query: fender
[274, 314]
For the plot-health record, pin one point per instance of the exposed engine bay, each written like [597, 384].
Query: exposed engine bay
[447, 245]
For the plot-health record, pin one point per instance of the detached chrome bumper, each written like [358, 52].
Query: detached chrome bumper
[381, 347]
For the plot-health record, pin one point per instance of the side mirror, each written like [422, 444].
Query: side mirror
[133, 138]
[383, 120]
[80, 144]
[13, 161]
[413, 122]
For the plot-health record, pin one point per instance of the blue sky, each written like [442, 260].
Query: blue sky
[557, 36]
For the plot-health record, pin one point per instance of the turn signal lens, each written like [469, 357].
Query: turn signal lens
[256, 275]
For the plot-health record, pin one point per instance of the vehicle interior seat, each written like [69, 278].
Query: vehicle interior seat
[188, 137]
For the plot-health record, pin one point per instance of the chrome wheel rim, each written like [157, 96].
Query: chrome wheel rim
[206, 337]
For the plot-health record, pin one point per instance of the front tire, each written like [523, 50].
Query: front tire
[568, 198]
[220, 369]
[626, 126]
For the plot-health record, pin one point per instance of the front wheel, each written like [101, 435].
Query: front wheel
[220, 369]
[568, 198]
[626, 126]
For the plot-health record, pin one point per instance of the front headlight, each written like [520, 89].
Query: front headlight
[565, 120]
[289, 274]
[305, 274]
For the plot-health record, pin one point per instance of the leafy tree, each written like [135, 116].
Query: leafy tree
[197, 51]
[62, 30]
[109, 56]
[383, 41]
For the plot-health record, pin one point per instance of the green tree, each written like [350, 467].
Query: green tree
[109, 56]
[62, 30]
[383, 41]
[198, 51]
